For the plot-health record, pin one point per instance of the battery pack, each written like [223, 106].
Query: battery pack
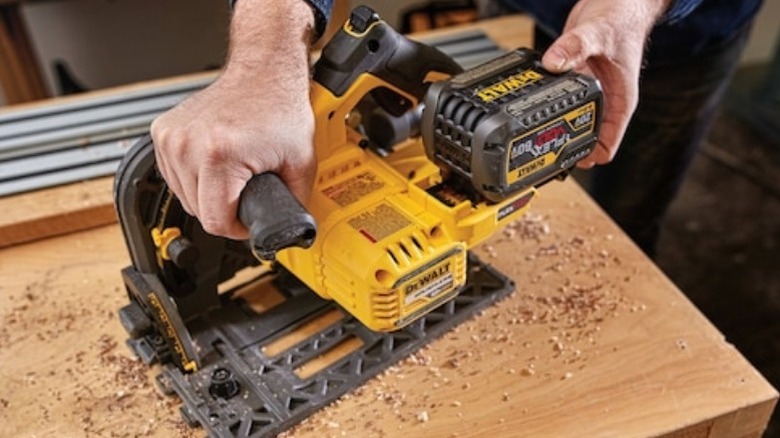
[509, 124]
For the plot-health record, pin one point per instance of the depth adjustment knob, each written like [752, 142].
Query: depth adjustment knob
[362, 18]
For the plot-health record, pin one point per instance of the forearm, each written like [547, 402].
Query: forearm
[270, 35]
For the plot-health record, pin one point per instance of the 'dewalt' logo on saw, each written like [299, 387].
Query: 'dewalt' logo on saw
[503, 87]
[430, 283]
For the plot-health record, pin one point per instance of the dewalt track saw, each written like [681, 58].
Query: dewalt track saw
[418, 161]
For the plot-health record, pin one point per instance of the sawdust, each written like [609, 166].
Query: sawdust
[565, 296]
[88, 383]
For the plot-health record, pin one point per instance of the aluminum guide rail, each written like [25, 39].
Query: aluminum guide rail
[86, 138]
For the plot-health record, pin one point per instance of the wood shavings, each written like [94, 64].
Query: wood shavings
[549, 330]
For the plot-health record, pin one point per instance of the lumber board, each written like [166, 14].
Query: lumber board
[20, 78]
[56, 211]
[595, 341]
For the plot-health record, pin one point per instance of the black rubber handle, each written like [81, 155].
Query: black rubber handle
[367, 44]
[275, 218]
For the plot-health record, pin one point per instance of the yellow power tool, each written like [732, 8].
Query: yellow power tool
[418, 162]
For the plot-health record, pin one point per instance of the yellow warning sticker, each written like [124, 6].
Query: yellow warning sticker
[353, 189]
[377, 223]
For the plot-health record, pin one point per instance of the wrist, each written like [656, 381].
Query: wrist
[651, 12]
[269, 48]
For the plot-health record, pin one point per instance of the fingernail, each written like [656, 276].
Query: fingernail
[557, 59]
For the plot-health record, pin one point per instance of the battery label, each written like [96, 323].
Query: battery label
[353, 189]
[509, 85]
[582, 118]
[540, 148]
[515, 206]
[547, 94]
[377, 223]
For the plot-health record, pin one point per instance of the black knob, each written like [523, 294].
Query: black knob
[182, 252]
[223, 384]
[361, 18]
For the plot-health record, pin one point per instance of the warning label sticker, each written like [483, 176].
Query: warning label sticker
[353, 189]
[377, 223]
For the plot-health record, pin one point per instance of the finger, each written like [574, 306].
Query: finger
[606, 146]
[586, 163]
[218, 195]
[187, 181]
[300, 179]
[572, 49]
[169, 175]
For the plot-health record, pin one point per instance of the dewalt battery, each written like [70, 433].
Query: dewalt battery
[509, 124]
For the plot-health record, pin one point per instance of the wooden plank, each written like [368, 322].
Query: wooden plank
[11, 71]
[70, 207]
[36, 219]
[21, 79]
[59, 210]
[595, 342]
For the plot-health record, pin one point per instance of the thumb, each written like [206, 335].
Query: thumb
[571, 50]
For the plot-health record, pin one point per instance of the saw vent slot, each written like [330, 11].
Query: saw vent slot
[404, 249]
[417, 244]
[408, 249]
[385, 305]
[392, 257]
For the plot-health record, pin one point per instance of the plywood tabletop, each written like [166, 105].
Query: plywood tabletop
[595, 341]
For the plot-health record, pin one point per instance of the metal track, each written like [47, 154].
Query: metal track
[72, 141]
[246, 393]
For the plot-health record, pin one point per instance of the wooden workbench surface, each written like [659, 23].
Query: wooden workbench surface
[594, 342]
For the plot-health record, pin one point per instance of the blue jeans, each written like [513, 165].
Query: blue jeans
[678, 100]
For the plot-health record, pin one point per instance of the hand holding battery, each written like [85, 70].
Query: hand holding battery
[606, 39]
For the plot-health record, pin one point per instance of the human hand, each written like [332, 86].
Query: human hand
[605, 39]
[255, 117]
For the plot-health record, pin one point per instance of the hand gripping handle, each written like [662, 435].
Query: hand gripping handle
[274, 216]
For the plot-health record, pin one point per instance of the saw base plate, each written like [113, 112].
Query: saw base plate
[241, 391]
